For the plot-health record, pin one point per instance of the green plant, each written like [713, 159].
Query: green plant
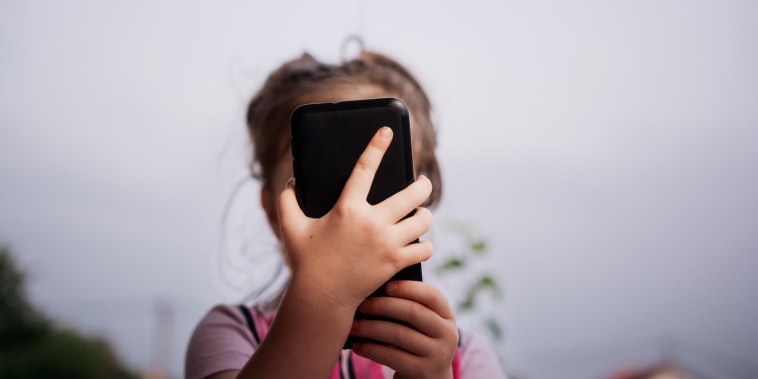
[467, 265]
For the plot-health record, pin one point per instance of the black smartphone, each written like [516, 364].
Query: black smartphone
[328, 138]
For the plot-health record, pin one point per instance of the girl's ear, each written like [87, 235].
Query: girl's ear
[268, 202]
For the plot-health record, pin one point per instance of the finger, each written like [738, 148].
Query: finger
[413, 253]
[394, 334]
[413, 227]
[359, 182]
[397, 359]
[400, 204]
[290, 213]
[423, 293]
[421, 317]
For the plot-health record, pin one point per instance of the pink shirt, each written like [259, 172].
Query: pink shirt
[223, 341]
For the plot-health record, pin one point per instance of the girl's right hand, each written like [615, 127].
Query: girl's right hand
[351, 251]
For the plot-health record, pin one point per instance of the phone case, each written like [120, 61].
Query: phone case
[326, 141]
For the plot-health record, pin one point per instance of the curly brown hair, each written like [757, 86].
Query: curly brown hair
[305, 80]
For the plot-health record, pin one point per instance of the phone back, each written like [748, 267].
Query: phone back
[328, 138]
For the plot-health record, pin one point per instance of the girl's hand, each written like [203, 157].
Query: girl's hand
[344, 256]
[425, 349]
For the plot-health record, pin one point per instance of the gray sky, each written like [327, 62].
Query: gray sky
[607, 150]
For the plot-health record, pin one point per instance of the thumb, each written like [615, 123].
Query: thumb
[291, 217]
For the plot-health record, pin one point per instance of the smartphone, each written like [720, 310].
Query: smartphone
[326, 141]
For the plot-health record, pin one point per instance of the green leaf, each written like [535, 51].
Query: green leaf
[487, 282]
[467, 304]
[451, 264]
[479, 246]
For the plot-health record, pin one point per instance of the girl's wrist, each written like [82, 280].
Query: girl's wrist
[316, 295]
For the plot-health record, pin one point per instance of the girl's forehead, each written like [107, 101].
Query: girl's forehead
[344, 92]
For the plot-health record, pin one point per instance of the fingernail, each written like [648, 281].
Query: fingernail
[390, 287]
[385, 132]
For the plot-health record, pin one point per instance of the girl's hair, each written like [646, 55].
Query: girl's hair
[307, 80]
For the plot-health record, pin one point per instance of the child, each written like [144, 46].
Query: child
[338, 260]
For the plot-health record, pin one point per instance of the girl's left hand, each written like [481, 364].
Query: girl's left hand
[423, 350]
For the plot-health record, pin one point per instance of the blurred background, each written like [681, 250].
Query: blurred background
[605, 151]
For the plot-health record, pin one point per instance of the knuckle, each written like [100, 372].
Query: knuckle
[397, 334]
[415, 311]
[397, 262]
[372, 228]
[346, 209]
[393, 354]
[364, 165]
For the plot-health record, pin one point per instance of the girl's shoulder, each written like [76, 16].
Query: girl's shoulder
[222, 340]
[239, 320]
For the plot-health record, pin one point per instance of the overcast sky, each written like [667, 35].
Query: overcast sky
[608, 151]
